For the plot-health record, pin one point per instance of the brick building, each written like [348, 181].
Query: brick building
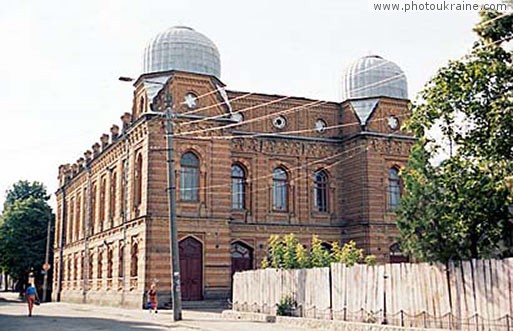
[247, 165]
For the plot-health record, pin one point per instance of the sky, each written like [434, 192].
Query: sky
[60, 61]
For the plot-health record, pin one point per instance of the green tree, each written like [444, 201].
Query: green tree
[289, 251]
[302, 256]
[23, 230]
[348, 254]
[458, 209]
[276, 251]
[319, 256]
[23, 190]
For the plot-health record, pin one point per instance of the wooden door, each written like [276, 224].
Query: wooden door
[242, 257]
[191, 269]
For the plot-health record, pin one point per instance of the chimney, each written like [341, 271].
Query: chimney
[114, 132]
[74, 169]
[66, 173]
[96, 149]
[127, 120]
[104, 140]
[88, 155]
[80, 163]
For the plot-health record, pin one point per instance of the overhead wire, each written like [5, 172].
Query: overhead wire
[272, 134]
[290, 170]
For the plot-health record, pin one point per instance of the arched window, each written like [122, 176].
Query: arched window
[280, 189]
[141, 105]
[84, 204]
[71, 218]
[394, 188]
[138, 182]
[82, 267]
[75, 267]
[238, 187]
[109, 263]
[112, 196]
[93, 209]
[121, 263]
[135, 260]
[321, 191]
[77, 216]
[91, 256]
[69, 267]
[103, 189]
[189, 177]
[100, 265]
[242, 257]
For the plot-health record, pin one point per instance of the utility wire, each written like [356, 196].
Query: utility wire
[289, 170]
[271, 134]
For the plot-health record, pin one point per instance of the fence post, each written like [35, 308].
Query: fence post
[402, 318]
[424, 315]
[507, 322]
[344, 317]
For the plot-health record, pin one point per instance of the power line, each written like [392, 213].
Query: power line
[289, 169]
[271, 134]
[236, 112]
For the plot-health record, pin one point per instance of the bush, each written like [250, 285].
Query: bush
[286, 306]
[289, 253]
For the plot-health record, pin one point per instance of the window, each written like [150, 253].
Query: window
[120, 261]
[238, 187]
[75, 265]
[93, 209]
[71, 217]
[109, 263]
[189, 177]
[112, 196]
[103, 189]
[138, 182]
[321, 191]
[77, 217]
[135, 260]
[91, 256]
[141, 105]
[100, 265]
[280, 189]
[394, 188]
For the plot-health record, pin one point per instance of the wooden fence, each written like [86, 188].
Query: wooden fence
[470, 295]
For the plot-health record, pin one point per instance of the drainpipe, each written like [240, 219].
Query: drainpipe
[86, 229]
[61, 241]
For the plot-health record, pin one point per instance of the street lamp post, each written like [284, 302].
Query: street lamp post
[47, 257]
[385, 321]
[175, 259]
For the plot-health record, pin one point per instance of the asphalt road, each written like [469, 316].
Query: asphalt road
[68, 316]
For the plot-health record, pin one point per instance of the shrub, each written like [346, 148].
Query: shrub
[286, 306]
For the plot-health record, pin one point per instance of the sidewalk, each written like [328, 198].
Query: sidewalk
[70, 316]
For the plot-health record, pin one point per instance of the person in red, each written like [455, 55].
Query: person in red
[31, 296]
[152, 298]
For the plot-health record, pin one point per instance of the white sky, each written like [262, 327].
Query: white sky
[60, 60]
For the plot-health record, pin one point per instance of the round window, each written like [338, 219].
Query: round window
[190, 100]
[279, 122]
[320, 126]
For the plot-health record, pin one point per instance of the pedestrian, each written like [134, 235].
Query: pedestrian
[31, 297]
[152, 298]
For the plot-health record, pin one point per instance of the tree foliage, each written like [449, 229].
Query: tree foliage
[458, 209]
[23, 229]
[23, 190]
[289, 253]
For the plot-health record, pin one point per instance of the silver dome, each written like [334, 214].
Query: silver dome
[373, 76]
[182, 48]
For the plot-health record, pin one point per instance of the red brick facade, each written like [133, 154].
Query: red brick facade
[113, 205]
